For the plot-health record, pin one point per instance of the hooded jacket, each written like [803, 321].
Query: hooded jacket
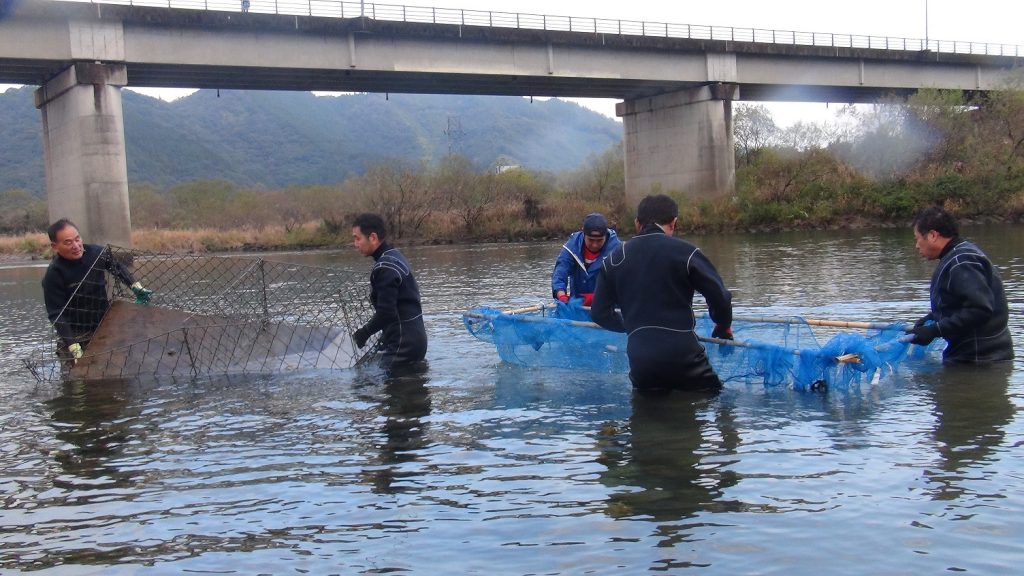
[571, 273]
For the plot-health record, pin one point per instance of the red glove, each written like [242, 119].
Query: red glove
[587, 298]
[564, 297]
[723, 333]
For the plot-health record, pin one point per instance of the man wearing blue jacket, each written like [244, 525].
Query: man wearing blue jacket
[580, 259]
[652, 280]
[968, 304]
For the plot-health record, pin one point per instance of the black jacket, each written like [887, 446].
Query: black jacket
[652, 278]
[75, 292]
[397, 311]
[969, 306]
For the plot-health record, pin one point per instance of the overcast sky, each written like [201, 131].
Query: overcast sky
[992, 21]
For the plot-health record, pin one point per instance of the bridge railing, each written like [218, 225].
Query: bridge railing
[464, 17]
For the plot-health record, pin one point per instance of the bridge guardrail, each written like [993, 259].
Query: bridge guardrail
[464, 17]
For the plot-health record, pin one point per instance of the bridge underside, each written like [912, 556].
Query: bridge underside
[147, 75]
[314, 79]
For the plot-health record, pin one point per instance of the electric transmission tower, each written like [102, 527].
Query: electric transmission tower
[454, 133]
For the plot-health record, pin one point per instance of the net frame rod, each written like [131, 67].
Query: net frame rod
[526, 309]
[850, 324]
[842, 359]
[813, 322]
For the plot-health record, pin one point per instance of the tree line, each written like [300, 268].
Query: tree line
[880, 164]
[877, 165]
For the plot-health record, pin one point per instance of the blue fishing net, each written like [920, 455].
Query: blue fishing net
[555, 336]
[769, 351]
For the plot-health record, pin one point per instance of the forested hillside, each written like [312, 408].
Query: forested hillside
[279, 139]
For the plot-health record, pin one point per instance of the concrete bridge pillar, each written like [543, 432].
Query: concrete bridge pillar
[681, 142]
[84, 152]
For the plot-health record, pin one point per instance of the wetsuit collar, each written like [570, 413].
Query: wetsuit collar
[953, 242]
[384, 247]
[651, 229]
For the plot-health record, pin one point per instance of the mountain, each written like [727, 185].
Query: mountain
[21, 141]
[278, 139]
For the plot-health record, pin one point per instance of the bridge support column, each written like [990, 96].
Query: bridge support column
[680, 143]
[84, 152]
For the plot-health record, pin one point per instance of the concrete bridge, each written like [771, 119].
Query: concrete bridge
[676, 82]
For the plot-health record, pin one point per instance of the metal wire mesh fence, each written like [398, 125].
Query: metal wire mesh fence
[206, 315]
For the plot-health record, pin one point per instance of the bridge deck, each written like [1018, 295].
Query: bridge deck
[402, 50]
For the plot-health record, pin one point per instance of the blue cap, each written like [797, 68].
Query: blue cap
[595, 223]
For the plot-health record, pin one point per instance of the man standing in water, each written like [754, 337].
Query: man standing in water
[394, 294]
[968, 305]
[75, 287]
[652, 278]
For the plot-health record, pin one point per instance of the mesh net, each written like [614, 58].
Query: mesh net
[770, 351]
[206, 315]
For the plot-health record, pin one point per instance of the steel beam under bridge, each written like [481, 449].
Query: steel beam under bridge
[676, 92]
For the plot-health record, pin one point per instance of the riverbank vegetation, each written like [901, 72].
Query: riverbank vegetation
[876, 166]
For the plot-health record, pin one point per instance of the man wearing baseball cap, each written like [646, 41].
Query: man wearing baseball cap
[580, 259]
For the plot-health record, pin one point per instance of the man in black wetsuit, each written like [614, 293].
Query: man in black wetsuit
[968, 305]
[75, 287]
[394, 294]
[652, 278]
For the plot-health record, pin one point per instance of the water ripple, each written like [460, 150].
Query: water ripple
[481, 468]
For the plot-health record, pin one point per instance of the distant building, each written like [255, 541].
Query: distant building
[504, 164]
[500, 168]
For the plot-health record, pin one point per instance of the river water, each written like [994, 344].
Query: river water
[477, 467]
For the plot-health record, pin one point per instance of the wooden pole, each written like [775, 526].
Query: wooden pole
[534, 308]
[809, 321]
[812, 322]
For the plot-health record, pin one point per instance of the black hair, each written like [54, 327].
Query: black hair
[368, 223]
[935, 218]
[57, 226]
[656, 209]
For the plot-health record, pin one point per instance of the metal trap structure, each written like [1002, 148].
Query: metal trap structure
[207, 315]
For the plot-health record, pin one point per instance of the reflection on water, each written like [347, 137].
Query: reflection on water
[671, 460]
[971, 417]
[89, 419]
[404, 405]
[471, 466]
